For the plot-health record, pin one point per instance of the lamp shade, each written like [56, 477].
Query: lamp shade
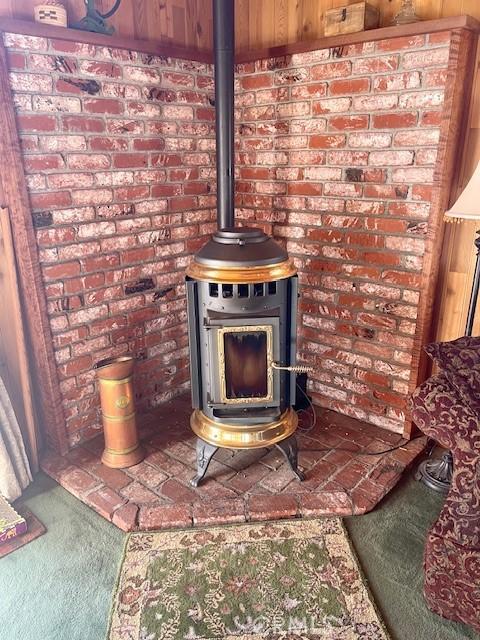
[467, 207]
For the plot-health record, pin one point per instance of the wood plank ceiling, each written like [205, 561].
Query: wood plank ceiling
[263, 23]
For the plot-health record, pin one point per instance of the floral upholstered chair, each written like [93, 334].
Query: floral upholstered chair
[447, 408]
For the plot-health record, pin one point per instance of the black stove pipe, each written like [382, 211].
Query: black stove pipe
[224, 45]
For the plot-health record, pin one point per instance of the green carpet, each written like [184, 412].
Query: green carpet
[61, 586]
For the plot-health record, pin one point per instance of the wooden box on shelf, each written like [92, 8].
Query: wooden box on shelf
[355, 17]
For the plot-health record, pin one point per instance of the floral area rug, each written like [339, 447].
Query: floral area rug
[283, 580]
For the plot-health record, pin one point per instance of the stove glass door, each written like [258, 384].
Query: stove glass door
[245, 356]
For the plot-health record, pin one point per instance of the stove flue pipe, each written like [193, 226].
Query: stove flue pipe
[224, 46]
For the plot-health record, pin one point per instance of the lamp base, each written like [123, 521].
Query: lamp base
[436, 474]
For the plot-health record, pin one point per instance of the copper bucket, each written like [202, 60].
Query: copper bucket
[122, 448]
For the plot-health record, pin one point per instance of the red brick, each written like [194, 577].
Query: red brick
[16, 60]
[377, 64]
[347, 87]
[108, 144]
[125, 518]
[330, 70]
[400, 120]
[43, 162]
[77, 481]
[326, 503]
[148, 144]
[396, 44]
[51, 199]
[104, 501]
[165, 517]
[82, 123]
[97, 68]
[219, 512]
[342, 123]
[327, 141]
[272, 507]
[102, 105]
[126, 160]
[256, 81]
[36, 123]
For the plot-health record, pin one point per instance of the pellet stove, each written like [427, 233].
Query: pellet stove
[242, 304]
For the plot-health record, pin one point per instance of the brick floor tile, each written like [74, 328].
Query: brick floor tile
[219, 471]
[147, 475]
[219, 512]
[81, 457]
[247, 478]
[114, 478]
[181, 452]
[316, 476]
[350, 476]
[104, 501]
[176, 491]
[240, 460]
[159, 495]
[359, 438]
[53, 464]
[95, 445]
[165, 517]
[210, 489]
[136, 492]
[170, 466]
[279, 480]
[339, 457]
[407, 454]
[274, 459]
[325, 503]
[326, 438]
[125, 518]
[272, 507]
[78, 482]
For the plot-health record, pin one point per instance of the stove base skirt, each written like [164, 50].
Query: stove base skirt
[246, 436]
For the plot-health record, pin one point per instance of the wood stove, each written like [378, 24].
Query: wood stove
[242, 304]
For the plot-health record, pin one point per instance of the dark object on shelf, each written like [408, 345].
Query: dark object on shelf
[351, 19]
[407, 14]
[96, 21]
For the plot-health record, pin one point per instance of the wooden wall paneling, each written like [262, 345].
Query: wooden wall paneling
[13, 341]
[14, 196]
[459, 253]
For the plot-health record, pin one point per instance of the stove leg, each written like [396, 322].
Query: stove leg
[205, 453]
[289, 448]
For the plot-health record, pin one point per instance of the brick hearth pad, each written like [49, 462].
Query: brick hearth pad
[240, 486]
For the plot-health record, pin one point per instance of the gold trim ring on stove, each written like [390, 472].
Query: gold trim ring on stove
[248, 436]
[241, 275]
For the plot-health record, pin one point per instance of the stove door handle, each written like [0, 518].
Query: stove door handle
[299, 368]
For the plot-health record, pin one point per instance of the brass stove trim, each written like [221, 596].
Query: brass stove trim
[263, 328]
[241, 275]
[252, 436]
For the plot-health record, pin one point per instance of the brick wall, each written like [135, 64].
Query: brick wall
[118, 155]
[336, 157]
[337, 150]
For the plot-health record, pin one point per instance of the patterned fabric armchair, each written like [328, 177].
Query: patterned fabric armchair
[441, 409]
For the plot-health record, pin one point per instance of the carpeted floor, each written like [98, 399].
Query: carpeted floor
[61, 585]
